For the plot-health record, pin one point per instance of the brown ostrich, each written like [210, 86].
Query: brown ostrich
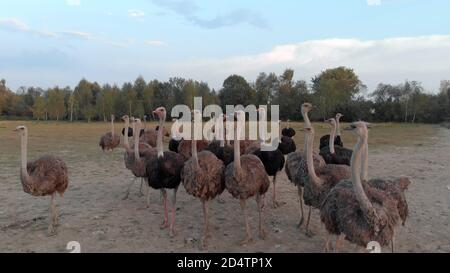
[356, 210]
[136, 158]
[185, 149]
[164, 171]
[296, 168]
[244, 178]
[44, 176]
[395, 188]
[320, 181]
[110, 140]
[203, 177]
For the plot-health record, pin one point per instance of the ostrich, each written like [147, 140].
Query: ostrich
[325, 140]
[296, 168]
[244, 178]
[163, 171]
[335, 154]
[130, 132]
[110, 140]
[135, 157]
[142, 131]
[219, 148]
[273, 161]
[394, 188]
[203, 177]
[289, 132]
[356, 210]
[174, 141]
[44, 176]
[287, 144]
[320, 181]
[184, 148]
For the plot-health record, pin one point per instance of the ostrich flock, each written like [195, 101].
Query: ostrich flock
[333, 180]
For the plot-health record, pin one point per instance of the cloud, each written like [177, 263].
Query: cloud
[388, 60]
[73, 2]
[136, 13]
[188, 10]
[373, 2]
[154, 43]
[16, 25]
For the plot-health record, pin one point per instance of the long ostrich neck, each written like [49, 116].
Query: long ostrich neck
[112, 126]
[306, 125]
[126, 144]
[23, 150]
[159, 140]
[355, 164]
[310, 159]
[237, 150]
[194, 147]
[332, 136]
[338, 126]
[365, 160]
[263, 118]
[136, 140]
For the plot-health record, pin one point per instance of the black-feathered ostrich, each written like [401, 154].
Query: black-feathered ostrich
[288, 131]
[296, 168]
[357, 210]
[286, 144]
[245, 178]
[203, 177]
[164, 171]
[44, 176]
[273, 160]
[335, 154]
[110, 140]
[321, 180]
[325, 140]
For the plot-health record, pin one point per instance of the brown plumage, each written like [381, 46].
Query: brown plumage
[149, 137]
[135, 156]
[45, 176]
[184, 148]
[244, 178]
[296, 167]
[203, 177]
[110, 140]
[358, 211]
[320, 181]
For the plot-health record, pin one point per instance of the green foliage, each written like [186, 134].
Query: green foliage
[235, 91]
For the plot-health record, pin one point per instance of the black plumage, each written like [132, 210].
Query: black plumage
[273, 161]
[289, 132]
[130, 131]
[173, 145]
[325, 141]
[225, 154]
[341, 155]
[287, 145]
[163, 172]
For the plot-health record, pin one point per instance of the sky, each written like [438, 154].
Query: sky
[58, 42]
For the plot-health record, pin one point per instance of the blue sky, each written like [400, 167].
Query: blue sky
[57, 42]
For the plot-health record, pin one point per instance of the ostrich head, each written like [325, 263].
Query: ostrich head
[307, 107]
[339, 115]
[359, 128]
[331, 122]
[160, 112]
[21, 129]
[125, 118]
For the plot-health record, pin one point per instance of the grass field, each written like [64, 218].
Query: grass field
[94, 214]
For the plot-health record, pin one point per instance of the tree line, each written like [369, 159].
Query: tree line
[333, 90]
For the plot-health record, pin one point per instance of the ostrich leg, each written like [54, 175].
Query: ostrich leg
[248, 236]
[300, 199]
[260, 202]
[204, 242]
[174, 209]
[165, 223]
[274, 194]
[140, 189]
[148, 196]
[129, 188]
[308, 232]
[51, 224]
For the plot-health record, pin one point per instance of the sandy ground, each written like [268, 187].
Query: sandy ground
[94, 214]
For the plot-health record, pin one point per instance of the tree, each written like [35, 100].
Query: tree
[235, 91]
[335, 87]
[56, 106]
[39, 108]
